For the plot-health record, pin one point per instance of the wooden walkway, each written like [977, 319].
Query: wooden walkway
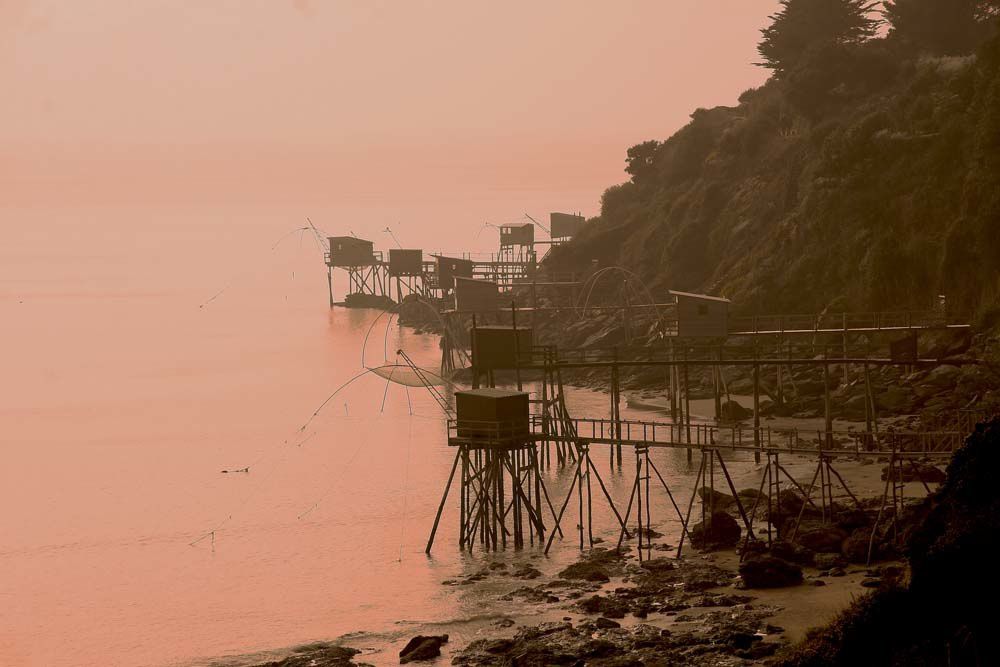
[707, 436]
[764, 325]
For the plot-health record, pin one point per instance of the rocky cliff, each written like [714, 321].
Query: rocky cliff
[869, 179]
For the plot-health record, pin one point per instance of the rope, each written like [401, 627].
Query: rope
[385, 340]
[364, 344]
[336, 481]
[406, 484]
[330, 398]
[240, 274]
[385, 393]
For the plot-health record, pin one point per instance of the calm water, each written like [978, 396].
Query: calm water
[123, 400]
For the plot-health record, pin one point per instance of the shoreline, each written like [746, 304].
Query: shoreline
[700, 596]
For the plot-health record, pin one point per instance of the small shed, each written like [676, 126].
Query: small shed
[349, 251]
[448, 268]
[565, 225]
[513, 234]
[701, 315]
[405, 262]
[476, 296]
[499, 347]
[492, 413]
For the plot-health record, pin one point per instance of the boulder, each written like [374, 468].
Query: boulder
[606, 606]
[851, 520]
[763, 571]
[369, 301]
[526, 572]
[942, 377]
[854, 407]
[855, 547]
[319, 654]
[828, 561]
[422, 647]
[895, 400]
[721, 531]
[741, 385]
[739, 640]
[914, 471]
[659, 565]
[793, 553]
[734, 412]
[789, 506]
[719, 500]
[824, 539]
[585, 571]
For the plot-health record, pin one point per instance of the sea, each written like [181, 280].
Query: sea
[186, 479]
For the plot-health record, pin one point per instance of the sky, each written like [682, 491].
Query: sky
[425, 111]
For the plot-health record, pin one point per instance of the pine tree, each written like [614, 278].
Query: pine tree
[942, 26]
[801, 26]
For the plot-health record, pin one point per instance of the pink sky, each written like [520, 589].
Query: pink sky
[313, 101]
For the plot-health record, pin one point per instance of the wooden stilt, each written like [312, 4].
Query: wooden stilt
[590, 502]
[732, 489]
[517, 351]
[687, 405]
[562, 510]
[670, 495]
[687, 518]
[638, 504]
[827, 413]
[444, 498]
[756, 407]
[579, 490]
[649, 513]
[779, 384]
[628, 512]
[673, 381]
[475, 355]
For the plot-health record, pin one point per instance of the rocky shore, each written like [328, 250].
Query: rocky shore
[613, 610]
[706, 608]
[919, 605]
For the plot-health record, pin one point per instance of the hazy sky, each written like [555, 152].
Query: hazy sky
[314, 100]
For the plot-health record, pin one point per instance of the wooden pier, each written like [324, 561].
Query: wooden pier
[834, 323]
[551, 429]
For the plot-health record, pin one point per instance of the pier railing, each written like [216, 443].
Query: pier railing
[746, 438]
[832, 322]
[799, 353]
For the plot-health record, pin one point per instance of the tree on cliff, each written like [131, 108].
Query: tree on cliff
[803, 26]
[942, 26]
[640, 161]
